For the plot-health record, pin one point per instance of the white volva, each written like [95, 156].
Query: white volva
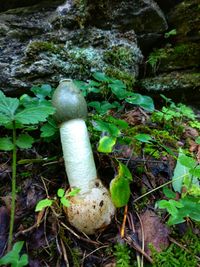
[79, 161]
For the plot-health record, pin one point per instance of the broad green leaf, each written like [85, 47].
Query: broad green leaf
[42, 91]
[6, 144]
[123, 171]
[187, 161]
[120, 192]
[145, 102]
[4, 119]
[24, 141]
[61, 192]
[180, 172]
[195, 172]
[144, 138]
[43, 204]
[109, 128]
[65, 201]
[168, 192]
[8, 105]
[119, 91]
[34, 115]
[106, 144]
[48, 130]
[104, 106]
[101, 77]
[118, 122]
[120, 186]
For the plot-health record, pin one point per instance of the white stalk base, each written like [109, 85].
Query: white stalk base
[77, 152]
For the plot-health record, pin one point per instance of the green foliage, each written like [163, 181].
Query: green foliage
[23, 112]
[172, 115]
[120, 186]
[175, 256]
[64, 199]
[111, 88]
[122, 255]
[170, 33]
[155, 58]
[188, 206]
[13, 258]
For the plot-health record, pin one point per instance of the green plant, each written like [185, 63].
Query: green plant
[64, 199]
[185, 181]
[14, 258]
[176, 256]
[111, 88]
[173, 115]
[20, 116]
[155, 57]
[122, 254]
[170, 33]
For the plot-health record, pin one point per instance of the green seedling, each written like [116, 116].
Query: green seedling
[14, 257]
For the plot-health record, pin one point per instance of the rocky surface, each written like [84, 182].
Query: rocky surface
[48, 41]
[51, 40]
[174, 69]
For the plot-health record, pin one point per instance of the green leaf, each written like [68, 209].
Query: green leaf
[61, 192]
[106, 144]
[187, 161]
[48, 130]
[13, 257]
[43, 204]
[123, 171]
[24, 141]
[120, 186]
[101, 77]
[42, 91]
[6, 144]
[8, 105]
[4, 119]
[180, 172]
[144, 138]
[168, 192]
[198, 140]
[65, 201]
[34, 115]
[119, 91]
[73, 192]
[195, 172]
[145, 102]
[109, 128]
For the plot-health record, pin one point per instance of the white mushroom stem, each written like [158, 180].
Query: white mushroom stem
[79, 161]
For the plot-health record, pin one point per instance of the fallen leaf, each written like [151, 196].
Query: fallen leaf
[155, 232]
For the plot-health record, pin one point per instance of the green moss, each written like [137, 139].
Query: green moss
[176, 256]
[119, 56]
[181, 56]
[36, 47]
[124, 76]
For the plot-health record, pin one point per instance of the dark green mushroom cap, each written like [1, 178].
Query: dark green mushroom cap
[69, 102]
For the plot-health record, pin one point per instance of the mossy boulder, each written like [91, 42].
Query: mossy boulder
[185, 17]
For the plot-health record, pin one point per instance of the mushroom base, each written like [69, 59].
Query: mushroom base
[92, 211]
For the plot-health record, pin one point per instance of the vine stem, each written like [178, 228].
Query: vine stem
[14, 167]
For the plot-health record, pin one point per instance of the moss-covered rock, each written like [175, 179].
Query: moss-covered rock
[182, 85]
[180, 56]
[185, 17]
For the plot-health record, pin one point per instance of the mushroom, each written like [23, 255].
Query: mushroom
[92, 208]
